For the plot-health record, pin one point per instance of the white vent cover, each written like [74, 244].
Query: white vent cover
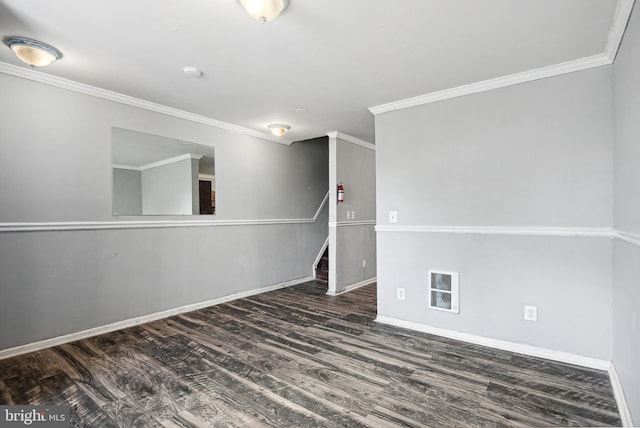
[444, 292]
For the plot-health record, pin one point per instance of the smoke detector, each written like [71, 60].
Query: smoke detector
[193, 72]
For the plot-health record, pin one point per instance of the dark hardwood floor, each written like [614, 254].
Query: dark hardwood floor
[296, 357]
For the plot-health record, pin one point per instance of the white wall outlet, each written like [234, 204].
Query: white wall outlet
[348, 215]
[400, 293]
[393, 216]
[364, 264]
[353, 215]
[530, 313]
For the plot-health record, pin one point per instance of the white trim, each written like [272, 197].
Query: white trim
[170, 160]
[319, 256]
[353, 286]
[630, 237]
[621, 400]
[519, 348]
[146, 224]
[129, 167]
[602, 232]
[498, 82]
[81, 88]
[208, 177]
[620, 21]
[350, 139]
[55, 341]
[322, 204]
[352, 223]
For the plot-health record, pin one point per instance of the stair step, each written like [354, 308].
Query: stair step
[322, 275]
[322, 270]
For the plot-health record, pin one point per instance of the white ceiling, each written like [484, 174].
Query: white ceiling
[335, 58]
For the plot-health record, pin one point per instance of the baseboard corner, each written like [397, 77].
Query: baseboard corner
[352, 287]
[621, 400]
[518, 348]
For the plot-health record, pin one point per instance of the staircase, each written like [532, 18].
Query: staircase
[322, 270]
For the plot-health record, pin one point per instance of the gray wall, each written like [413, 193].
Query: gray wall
[127, 191]
[626, 284]
[168, 189]
[538, 154]
[58, 282]
[352, 244]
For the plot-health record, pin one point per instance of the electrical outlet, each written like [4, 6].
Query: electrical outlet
[530, 313]
[393, 216]
[348, 215]
[353, 215]
[400, 293]
[364, 264]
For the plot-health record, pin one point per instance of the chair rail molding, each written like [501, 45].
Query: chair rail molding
[630, 237]
[352, 223]
[602, 232]
[145, 224]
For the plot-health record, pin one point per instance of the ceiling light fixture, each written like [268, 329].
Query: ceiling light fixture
[264, 10]
[279, 129]
[33, 52]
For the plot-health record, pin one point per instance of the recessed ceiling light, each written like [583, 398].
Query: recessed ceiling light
[33, 52]
[301, 110]
[193, 72]
[278, 129]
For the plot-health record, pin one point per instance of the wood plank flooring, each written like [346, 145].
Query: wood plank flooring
[296, 357]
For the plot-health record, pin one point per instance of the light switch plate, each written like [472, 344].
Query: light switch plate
[393, 216]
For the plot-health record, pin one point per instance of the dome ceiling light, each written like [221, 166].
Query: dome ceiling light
[33, 52]
[279, 129]
[264, 10]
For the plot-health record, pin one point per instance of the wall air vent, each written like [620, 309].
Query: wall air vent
[444, 291]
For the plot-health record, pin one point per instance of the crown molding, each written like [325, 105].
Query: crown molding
[129, 167]
[168, 161]
[620, 21]
[352, 140]
[499, 82]
[81, 88]
[159, 163]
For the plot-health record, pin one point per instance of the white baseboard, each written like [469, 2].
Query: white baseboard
[621, 401]
[519, 348]
[353, 286]
[534, 351]
[55, 341]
